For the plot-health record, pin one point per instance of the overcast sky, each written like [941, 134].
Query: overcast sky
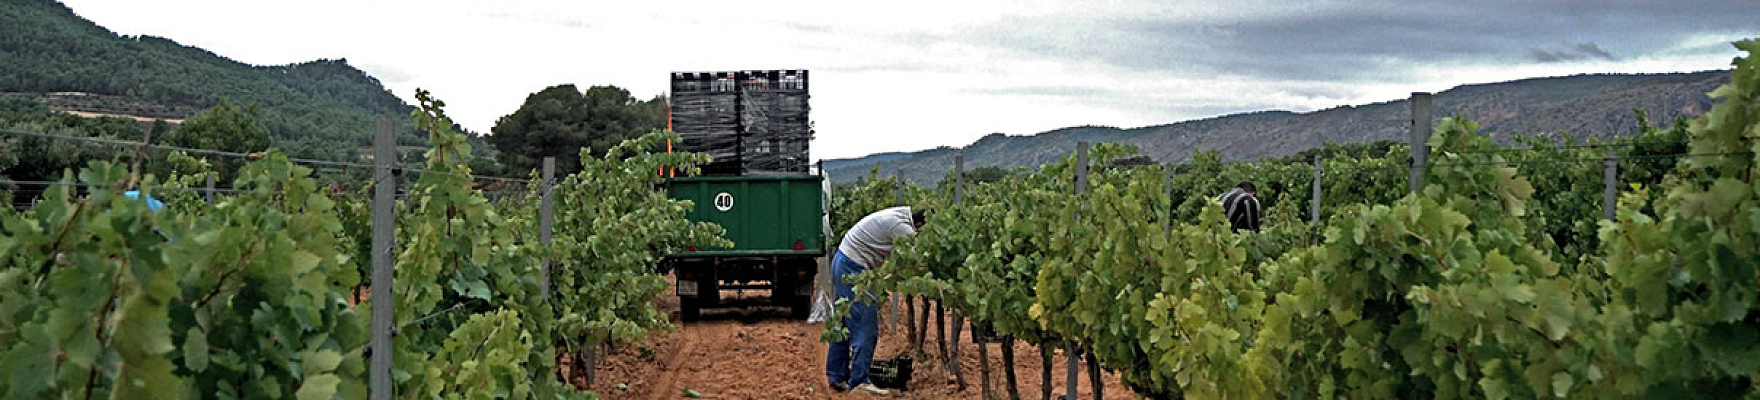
[911, 75]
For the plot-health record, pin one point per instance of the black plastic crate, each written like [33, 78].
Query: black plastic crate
[695, 82]
[706, 108]
[892, 374]
[774, 113]
[775, 155]
[791, 80]
[720, 168]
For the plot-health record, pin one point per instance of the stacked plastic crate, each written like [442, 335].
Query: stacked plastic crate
[774, 130]
[751, 122]
[705, 115]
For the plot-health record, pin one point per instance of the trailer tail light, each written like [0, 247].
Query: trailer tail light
[691, 249]
[799, 245]
[800, 276]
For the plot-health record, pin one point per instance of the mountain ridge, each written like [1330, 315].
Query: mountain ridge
[1598, 105]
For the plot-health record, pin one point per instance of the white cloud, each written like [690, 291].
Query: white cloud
[912, 74]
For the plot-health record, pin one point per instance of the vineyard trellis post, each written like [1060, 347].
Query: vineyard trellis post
[546, 216]
[1070, 355]
[1167, 190]
[959, 180]
[384, 249]
[140, 156]
[1420, 134]
[210, 195]
[1610, 193]
[951, 351]
[892, 302]
[1314, 207]
[898, 188]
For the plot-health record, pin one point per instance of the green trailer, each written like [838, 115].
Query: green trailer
[777, 226]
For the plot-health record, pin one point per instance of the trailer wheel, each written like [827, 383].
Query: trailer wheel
[689, 309]
[800, 307]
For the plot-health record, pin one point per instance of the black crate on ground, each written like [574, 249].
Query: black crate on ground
[893, 374]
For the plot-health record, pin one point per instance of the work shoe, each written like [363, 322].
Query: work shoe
[869, 388]
[840, 387]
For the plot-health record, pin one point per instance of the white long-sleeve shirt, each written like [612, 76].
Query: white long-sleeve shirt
[869, 242]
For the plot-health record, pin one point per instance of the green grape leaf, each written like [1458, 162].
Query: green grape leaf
[1561, 384]
[319, 387]
[195, 349]
[321, 361]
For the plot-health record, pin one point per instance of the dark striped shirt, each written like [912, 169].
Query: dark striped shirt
[1241, 208]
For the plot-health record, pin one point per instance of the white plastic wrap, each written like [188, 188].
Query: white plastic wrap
[824, 293]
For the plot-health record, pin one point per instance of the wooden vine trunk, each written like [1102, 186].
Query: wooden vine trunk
[1014, 392]
[959, 379]
[983, 364]
[1094, 375]
[910, 324]
[1045, 371]
[941, 331]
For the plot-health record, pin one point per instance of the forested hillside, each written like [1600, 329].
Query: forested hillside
[320, 109]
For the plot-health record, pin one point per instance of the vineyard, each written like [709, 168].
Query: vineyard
[1499, 271]
[263, 292]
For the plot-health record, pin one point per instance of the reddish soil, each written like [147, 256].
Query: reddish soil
[758, 353]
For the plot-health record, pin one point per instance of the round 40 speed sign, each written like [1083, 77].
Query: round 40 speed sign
[723, 201]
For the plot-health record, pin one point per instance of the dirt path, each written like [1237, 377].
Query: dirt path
[758, 353]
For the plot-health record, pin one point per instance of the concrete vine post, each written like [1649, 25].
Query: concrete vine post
[1072, 355]
[1610, 190]
[1420, 134]
[384, 255]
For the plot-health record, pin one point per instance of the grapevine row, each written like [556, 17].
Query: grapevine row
[260, 295]
[1496, 280]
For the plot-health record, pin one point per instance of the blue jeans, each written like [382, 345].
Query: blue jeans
[863, 322]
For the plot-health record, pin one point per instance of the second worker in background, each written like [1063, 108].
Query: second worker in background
[1241, 206]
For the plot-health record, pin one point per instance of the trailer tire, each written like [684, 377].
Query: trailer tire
[800, 307]
[689, 309]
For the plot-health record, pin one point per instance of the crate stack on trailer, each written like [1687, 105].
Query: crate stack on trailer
[705, 115]
[773, 122]
[758, 187]
[751, 122]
